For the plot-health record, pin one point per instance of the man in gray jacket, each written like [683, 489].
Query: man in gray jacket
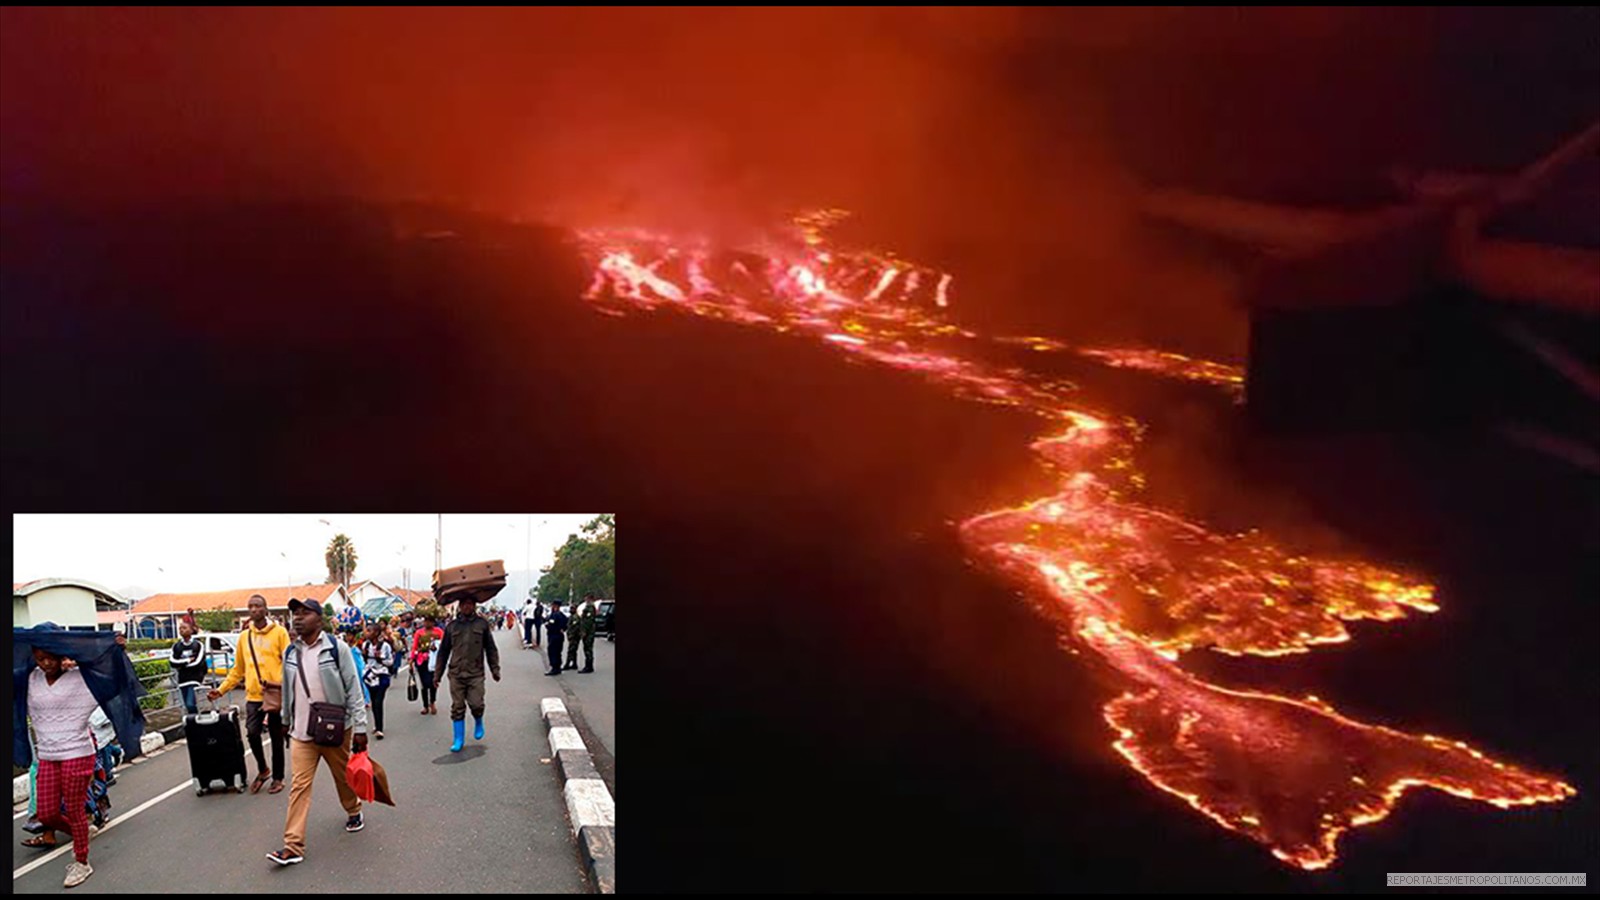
[317, 669]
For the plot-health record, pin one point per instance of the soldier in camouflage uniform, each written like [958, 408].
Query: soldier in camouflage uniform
[587, 618]
[574, 634]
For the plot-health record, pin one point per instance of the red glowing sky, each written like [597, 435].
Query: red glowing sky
[523, 107]
[978, 140]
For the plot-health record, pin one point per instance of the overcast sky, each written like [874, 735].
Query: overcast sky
[184, 553]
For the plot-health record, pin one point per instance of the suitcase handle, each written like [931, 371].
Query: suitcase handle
[213, 715]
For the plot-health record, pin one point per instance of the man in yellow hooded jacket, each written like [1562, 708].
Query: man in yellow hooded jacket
[258, 663]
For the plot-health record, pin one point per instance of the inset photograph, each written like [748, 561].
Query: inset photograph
[378, 703]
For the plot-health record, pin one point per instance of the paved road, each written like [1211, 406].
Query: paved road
[491, 818]
[592, 699]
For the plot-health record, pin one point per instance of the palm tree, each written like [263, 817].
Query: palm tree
[341, 560]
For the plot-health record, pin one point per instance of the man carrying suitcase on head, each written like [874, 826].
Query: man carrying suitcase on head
[468, 641]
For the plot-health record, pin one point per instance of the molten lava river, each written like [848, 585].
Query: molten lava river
[1129, 586]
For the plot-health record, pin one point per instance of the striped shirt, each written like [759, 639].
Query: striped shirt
[61, 714]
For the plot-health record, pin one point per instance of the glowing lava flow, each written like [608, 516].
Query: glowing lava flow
[1134, 585]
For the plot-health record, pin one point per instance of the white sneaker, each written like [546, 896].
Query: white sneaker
[77, 873]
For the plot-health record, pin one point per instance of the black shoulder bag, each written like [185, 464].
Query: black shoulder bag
[327, 719]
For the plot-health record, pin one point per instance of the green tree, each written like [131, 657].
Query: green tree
[341, 559]
[586, 563]
[218, 619]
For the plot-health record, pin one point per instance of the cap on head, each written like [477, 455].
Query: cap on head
[308, 605]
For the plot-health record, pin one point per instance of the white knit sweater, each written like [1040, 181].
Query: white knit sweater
[61, 714]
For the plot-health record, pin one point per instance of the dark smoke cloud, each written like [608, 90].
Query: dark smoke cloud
[1003, 143]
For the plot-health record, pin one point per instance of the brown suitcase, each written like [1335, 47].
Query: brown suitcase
[483, 580]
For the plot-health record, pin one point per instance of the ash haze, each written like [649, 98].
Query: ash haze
[1001, 144]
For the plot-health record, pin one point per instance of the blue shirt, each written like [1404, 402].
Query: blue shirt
[555, 625]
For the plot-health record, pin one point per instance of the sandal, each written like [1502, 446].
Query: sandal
[276, 787]
[255, 786]
[39, 842]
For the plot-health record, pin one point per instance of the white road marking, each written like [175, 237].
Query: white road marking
[131, 762]
[188, 784]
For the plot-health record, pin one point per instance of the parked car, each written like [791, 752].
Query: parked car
[606, 620]
[220, 649]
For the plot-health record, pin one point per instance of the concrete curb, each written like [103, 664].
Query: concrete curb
[589, 803]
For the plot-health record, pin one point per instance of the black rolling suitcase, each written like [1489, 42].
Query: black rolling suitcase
[216, 749]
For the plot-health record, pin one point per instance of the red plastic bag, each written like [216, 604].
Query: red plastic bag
[359, 774]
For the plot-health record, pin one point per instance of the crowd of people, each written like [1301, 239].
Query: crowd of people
[315, 696]
[572, 630]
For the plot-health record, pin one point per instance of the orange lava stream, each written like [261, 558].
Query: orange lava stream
[1134, 585]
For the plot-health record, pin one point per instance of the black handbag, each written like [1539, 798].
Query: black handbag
[326, 725]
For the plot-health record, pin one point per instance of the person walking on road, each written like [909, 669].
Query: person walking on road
[400, 632]
[361, 666]
[530, 625]
[327, 722]
[59, 702]
[395, 634]
[105, 759]
[258, 662]
[471, 640]
[556, 625]
[378, 655]
[424, 644]
[586, 625]
[538, 622]
[187, 658]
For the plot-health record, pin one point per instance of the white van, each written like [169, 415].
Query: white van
[220, 648]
